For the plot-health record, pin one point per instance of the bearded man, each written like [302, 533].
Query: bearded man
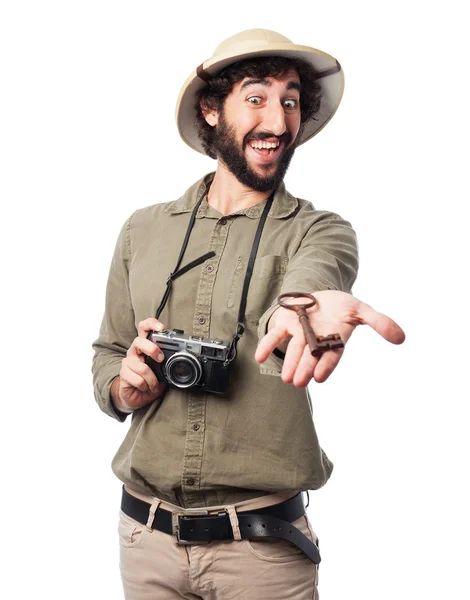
[222, 442]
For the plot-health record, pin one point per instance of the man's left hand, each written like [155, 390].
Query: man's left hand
[334, 312]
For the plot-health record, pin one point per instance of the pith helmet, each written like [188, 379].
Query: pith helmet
[254, 43]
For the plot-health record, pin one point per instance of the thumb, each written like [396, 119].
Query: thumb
[383, 325]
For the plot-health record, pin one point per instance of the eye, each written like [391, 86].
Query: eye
[291, 104]
[254, 99]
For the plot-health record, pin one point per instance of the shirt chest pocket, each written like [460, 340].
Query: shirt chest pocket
[265, 284]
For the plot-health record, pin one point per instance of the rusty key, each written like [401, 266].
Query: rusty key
[319, 344]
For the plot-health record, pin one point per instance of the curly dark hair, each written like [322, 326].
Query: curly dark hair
[212, 96]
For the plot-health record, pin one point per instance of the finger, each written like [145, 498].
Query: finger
[271, 340]
[304, 372]
[150, 324]
[142, 347]
[327, 364]
[294, 353]
[383, 325]
[145, 372]
[133, 379]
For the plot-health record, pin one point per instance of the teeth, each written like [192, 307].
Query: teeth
[259, 144]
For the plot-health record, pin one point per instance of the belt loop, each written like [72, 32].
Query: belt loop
[232, 513]
[155, 504]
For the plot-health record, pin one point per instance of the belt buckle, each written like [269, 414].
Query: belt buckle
[175, 523]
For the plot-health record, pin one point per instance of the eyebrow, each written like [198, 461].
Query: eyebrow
[292, 85]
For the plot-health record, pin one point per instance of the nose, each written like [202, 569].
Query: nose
[274, 118]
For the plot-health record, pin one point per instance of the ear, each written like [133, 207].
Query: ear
[210, 115]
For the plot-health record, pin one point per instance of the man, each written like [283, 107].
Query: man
[211, 505]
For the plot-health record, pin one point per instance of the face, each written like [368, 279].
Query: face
[256, 132]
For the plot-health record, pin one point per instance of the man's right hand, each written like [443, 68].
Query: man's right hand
[137, 385]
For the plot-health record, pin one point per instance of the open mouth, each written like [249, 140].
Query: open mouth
[263, 148]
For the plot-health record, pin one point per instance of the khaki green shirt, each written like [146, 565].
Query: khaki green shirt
[197, 449]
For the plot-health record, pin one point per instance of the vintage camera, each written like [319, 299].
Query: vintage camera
[191, 361]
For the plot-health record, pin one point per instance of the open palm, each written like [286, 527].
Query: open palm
[334, 312]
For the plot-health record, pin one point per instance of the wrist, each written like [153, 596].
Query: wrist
[272, 320]
[280, 350]
[116, 399]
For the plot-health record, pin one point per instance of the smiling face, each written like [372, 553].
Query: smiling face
[256, 129]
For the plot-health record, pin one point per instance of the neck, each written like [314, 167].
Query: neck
[227, 195]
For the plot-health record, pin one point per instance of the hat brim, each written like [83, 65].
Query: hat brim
[332, 87]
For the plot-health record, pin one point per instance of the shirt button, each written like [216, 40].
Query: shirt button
[202, 320]
[210, 268]
[196, 426]
[190, 481]
[223, 221]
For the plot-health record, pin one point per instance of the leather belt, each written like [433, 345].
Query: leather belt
[196, 526]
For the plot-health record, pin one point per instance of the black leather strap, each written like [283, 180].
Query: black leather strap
[270, 522]
[191, 265]
[175, 273]
[246, 284]
[251, 261]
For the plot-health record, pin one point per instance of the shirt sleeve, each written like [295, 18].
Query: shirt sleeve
[118, 328]
[326, 259]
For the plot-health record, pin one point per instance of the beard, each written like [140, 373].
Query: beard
[229, 152]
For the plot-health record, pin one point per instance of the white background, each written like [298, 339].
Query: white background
[87, 135]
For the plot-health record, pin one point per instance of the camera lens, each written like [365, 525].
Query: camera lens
[183, 370]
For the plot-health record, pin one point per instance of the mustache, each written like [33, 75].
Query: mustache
[286, 137]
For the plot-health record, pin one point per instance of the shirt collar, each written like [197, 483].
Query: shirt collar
[284, 204]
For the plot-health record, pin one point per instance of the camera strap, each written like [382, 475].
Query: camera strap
[246, 284]
[177, 272]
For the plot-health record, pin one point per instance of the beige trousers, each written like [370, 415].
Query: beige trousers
[154, 567]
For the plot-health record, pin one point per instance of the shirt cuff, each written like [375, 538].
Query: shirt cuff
[105, 400]
[275, 361]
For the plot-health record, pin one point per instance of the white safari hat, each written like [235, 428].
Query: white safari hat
[254, 43]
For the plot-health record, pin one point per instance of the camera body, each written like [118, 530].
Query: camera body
[191, 361]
